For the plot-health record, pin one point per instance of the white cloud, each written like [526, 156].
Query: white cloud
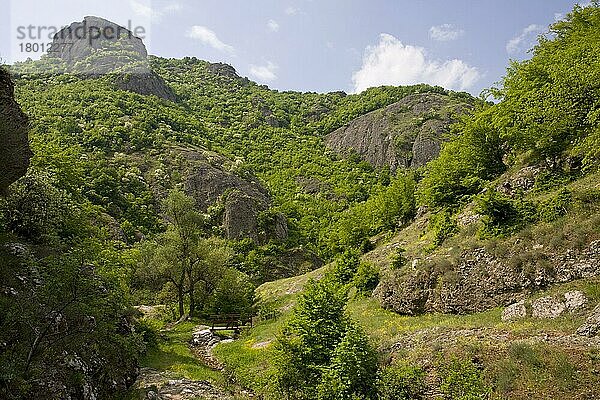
[273, 25]
[445, 32]
[264, 73]
[210, 38]
[291, 10]
[392, 63]
[144, 9]
[524, 40]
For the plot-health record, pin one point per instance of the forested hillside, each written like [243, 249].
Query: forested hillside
[180, 186]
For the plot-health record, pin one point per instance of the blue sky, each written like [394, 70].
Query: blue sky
[312, 45]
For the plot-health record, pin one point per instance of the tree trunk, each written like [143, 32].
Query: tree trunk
[192, 301]
[180, 299]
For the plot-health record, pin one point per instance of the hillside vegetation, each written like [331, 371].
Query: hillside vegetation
[473, 275]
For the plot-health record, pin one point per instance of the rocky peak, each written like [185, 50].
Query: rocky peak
[224, 70]
[406, 134]
[14, 141]
[96, 46]
[80, 39]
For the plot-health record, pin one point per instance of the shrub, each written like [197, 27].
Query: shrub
[443, 226]
[353, 368]
[366, 278]
[401, 382]
[461, 379]
[555, 207]
[346, 266]
[399, 260]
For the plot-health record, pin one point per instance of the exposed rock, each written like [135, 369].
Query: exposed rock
[145, 83]
[514, 311]
[74, 43]
[405, 134]
[467, 218]
[14, 141]
[89, 49]
[242, 199]
[479, 281]
[591, 327]
[575, 300]
[224, 70]
[547, 307]
[240, 218]
[522, 181]
[159, 385]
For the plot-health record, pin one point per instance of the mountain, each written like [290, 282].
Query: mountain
[405, 239]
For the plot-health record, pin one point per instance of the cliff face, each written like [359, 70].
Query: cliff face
[239, 201]
[95, 47]
[406, 134]
[14, 143]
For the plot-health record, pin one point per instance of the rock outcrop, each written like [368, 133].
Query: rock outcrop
[95, 47]
[480, 281]
[591, 327]
[406, 134]
[14, 141]
[81, 39]
[240, 201]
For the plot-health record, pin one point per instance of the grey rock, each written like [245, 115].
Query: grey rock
[145, 83]
[591, 327]
[547, 307]
[479, 281]
[406, 134]
[92, 56]
[575, 300]
[514, 311]
[74, 43]
[208, 181]
[14, 140]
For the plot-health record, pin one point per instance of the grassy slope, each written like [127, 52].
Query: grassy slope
[532, 358]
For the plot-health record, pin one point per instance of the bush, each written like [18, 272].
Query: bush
[353, 369]
[346, 266]
[503, 215]
[366, 278]
[555, 207]
[401, 382]
[443, 226]
[306, 344]
[399, 260]
[461, 379]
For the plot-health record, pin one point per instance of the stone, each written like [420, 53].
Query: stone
[591, 327]
[547, 307]
[575, 300]
[514, 311]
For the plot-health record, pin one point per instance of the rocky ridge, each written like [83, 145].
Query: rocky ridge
[481, 281]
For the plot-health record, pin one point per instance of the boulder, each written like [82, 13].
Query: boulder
[591, 327]
[14, 140]
[514, 311]
[547, 307]
[575, 300]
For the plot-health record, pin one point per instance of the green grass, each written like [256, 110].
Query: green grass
[173, 354]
